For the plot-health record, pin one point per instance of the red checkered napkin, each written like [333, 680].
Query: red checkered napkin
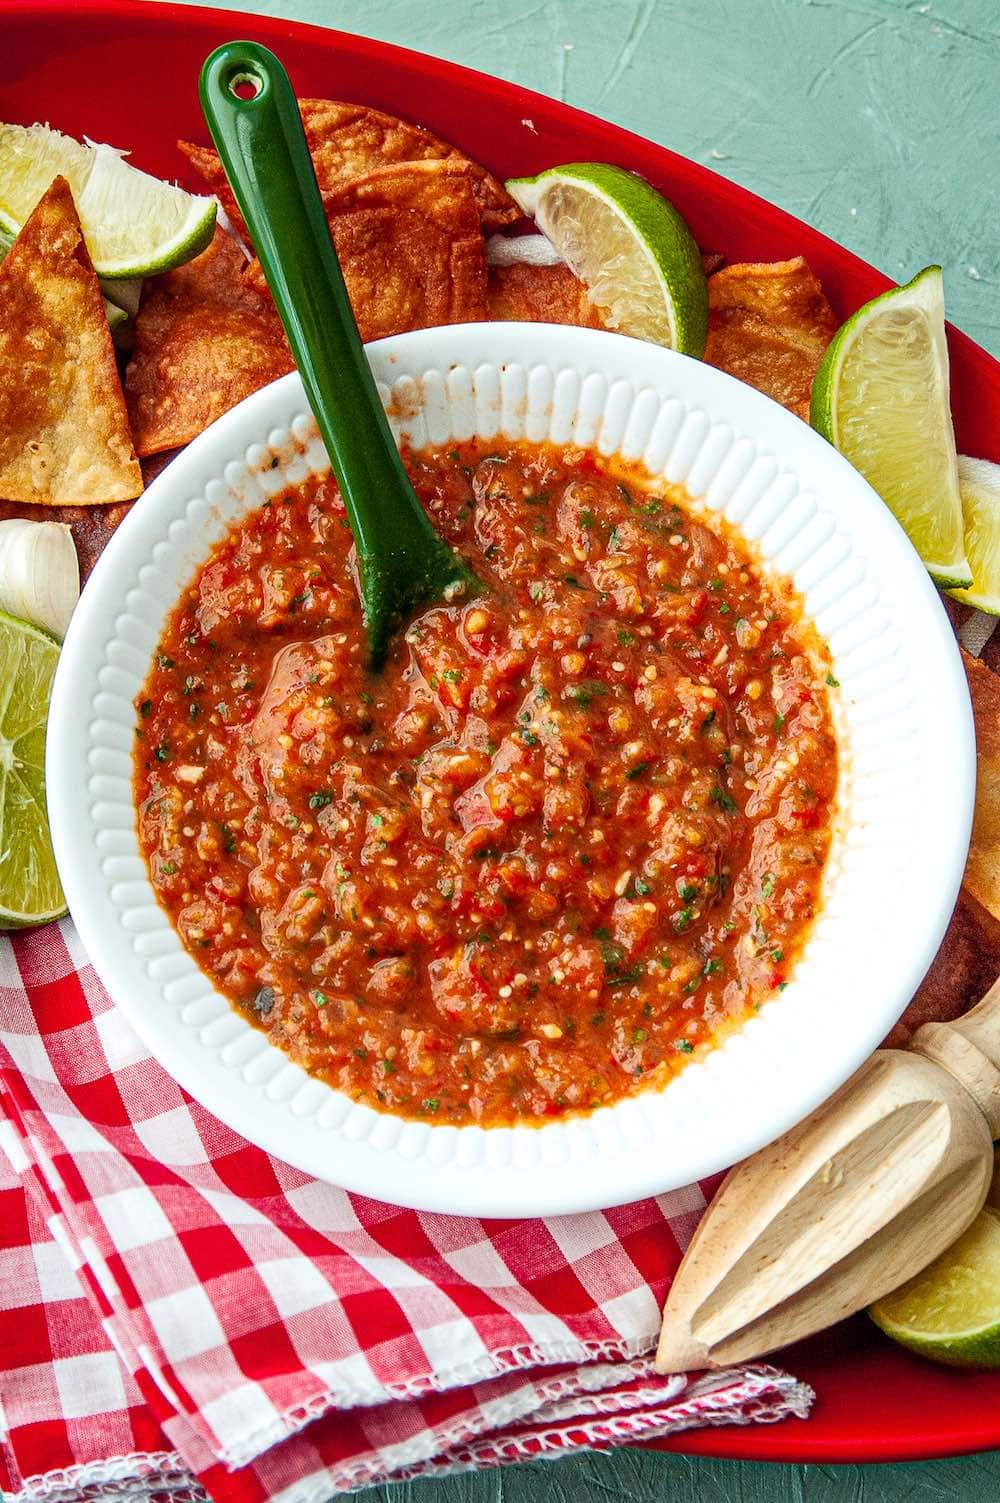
[183, 1314]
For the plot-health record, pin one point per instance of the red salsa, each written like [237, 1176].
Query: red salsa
[574, 831]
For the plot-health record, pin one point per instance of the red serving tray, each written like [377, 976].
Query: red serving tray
[126, 72]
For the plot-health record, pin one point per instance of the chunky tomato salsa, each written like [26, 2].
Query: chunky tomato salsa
[572, 833]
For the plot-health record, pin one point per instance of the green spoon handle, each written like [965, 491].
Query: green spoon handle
[254, 119]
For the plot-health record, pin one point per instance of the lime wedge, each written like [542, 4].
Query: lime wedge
[628, 245]
[116, 316]
[881, 397]
[133, 224]
[29, 883]
[951, 1311]
[979, 483]
[125, 295]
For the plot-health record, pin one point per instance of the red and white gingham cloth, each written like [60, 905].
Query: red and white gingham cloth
[182, 1315]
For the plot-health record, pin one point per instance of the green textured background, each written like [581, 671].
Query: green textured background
[878, 121]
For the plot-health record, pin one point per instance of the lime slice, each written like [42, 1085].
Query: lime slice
[881, 397]
[628, 245]
[951, 1311]
[133, 224]
[116, 316]
[979, 483]
[125, 295]
[29, 883]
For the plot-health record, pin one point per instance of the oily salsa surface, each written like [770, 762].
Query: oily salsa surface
[574, 831]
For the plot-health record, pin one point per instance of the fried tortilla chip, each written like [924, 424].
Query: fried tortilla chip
[962, 972]
[410, 248]
[540, 294]
[982, 872]
[768, 325]
[347, 142]
[64, 434]
[204, 340]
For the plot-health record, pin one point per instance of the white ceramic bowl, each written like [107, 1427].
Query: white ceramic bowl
[903, 721]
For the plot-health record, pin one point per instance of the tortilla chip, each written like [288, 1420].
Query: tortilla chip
[982, 872]
[409, 245]
[962, 972]
[204, 340]
[64, 435]
[769, 324]
[348, 141]
[540, 294]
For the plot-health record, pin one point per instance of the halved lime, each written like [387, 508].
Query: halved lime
[628, 245]
[29, 883]
[951, 1311]
[133, 224]
[881, 397]
[979, 483]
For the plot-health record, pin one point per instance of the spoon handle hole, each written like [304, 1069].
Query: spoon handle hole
[245, 86]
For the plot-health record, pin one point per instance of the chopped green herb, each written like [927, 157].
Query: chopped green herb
[320, 998]
[586, 691]
[712, 967]
[228, 839]
[639, 1035]
[320, 799]
[452, 675]
[833, 682]
[164, 661]
[586, 518]
[146, 709]
[715, 585]
[636, 771]
[169, 868]
[724, 800]
[684, 1046]
[625, 638]
[571, 579]
[625, 978]
[767, 885]
[778, 723]
[689, 891]
[612, 954]
[430, 1105]
[682, 919]
[162, 752]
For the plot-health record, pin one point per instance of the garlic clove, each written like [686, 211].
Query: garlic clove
[39, 573]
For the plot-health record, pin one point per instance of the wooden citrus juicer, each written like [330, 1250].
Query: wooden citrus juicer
[252, 113]
[847, 1205]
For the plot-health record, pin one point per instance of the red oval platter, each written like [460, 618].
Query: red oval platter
[126, 72]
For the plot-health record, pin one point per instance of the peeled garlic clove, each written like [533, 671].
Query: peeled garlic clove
[521, 250]
[39, 573]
